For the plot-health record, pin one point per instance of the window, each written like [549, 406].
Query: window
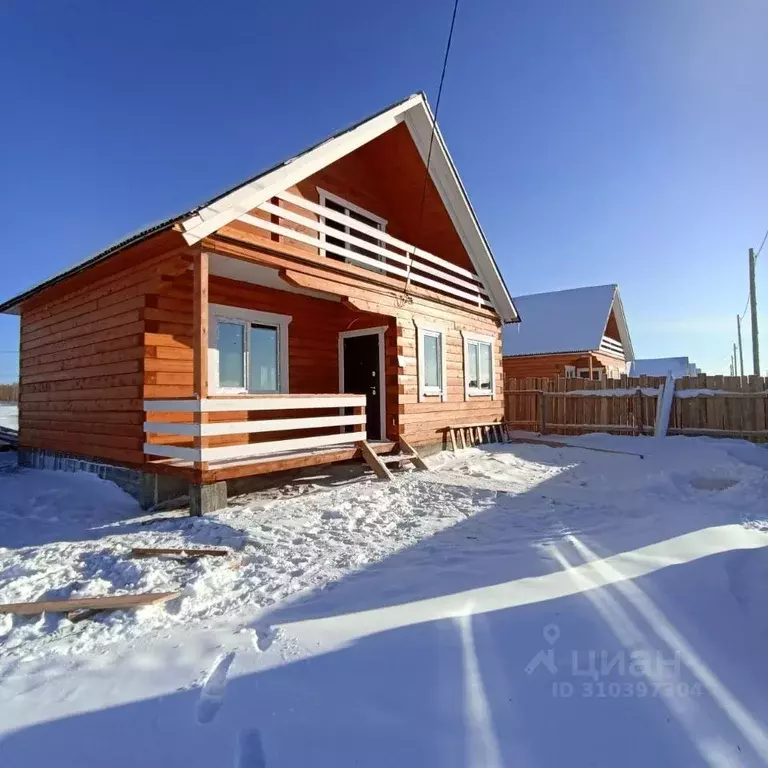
[570, 371]
[248, 351]
[478, 365]
[337, 204]
[431, 358]
[583, 373]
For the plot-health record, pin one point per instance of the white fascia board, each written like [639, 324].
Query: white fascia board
[617, 306]
[629, 352]
[445, 177]
[247, 197]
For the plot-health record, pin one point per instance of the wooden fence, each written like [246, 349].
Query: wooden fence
[721, 406]
[9, 393]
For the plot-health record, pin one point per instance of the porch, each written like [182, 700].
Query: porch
[214, 439]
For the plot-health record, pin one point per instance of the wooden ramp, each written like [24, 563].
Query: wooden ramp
[378, 463]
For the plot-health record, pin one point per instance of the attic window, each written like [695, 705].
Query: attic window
[354, 212]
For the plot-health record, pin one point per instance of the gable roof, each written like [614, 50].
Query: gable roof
[573, 320]
[662, 366]
[415, 112]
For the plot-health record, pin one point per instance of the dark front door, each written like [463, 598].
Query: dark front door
[362, 377]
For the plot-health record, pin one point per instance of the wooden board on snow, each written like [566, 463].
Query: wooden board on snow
[179, 552]
[109, 603]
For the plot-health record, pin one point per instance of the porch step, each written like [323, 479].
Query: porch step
[396, 458]
[378, 463]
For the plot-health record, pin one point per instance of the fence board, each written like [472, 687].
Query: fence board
[727, 406]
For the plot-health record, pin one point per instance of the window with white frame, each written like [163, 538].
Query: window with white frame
[431, 359]
[583, 373]
[478, 365]
[248, 351]
[570, 371]
[354, 212]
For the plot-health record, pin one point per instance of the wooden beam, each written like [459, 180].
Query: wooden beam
[109, 603]
[417, 461]
[374, 462]
[200, 347]
[141, 552]
[200, 323]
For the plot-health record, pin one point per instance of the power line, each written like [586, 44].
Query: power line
[765, 237]
[746, 306]
[434, 122]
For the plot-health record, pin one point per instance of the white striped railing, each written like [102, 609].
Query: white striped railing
[387, 255]
[199, 428]
[612, 347]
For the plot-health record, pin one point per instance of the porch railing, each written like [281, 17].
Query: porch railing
[379, 251]
[205, 424]
[612, 347]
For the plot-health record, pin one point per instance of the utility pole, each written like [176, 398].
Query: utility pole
[753, 308]
[730, 365]
[741, 353]
[735, 368]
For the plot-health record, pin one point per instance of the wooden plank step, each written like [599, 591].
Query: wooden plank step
[397, 457]
[108, 603]
[179, 552]
[418, 462]
[374, 461]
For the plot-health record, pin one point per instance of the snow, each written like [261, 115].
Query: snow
[516, 605]
[9, 415]
[561, 321]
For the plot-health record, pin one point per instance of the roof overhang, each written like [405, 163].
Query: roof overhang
[617, 307]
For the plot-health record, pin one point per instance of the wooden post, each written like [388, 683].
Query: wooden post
[200, 347]
[358, 411]
[639, 411]
[741, 353]
[753, 311]
[590, 367]
[542, 413]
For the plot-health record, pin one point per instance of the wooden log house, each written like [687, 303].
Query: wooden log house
[577, 333]
[345, 295]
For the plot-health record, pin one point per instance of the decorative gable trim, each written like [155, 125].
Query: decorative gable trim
[416, 114]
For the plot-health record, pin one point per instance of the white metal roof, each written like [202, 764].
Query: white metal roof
[573, 320]
[662, 366]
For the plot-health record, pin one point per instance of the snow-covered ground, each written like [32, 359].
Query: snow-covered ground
[9, 415]
[518, 605]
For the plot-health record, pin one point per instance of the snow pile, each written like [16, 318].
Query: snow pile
[457, 617]
[9, 415]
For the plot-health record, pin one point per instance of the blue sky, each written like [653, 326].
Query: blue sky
[600, 140]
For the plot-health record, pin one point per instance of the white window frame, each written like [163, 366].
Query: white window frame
[476, 391]
[599, 372]
[246, 317]
[422, 330]
[570, 372]
[324, 196]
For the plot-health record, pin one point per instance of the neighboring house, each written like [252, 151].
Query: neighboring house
[581, 333]
[664, 366]
[225, 342]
